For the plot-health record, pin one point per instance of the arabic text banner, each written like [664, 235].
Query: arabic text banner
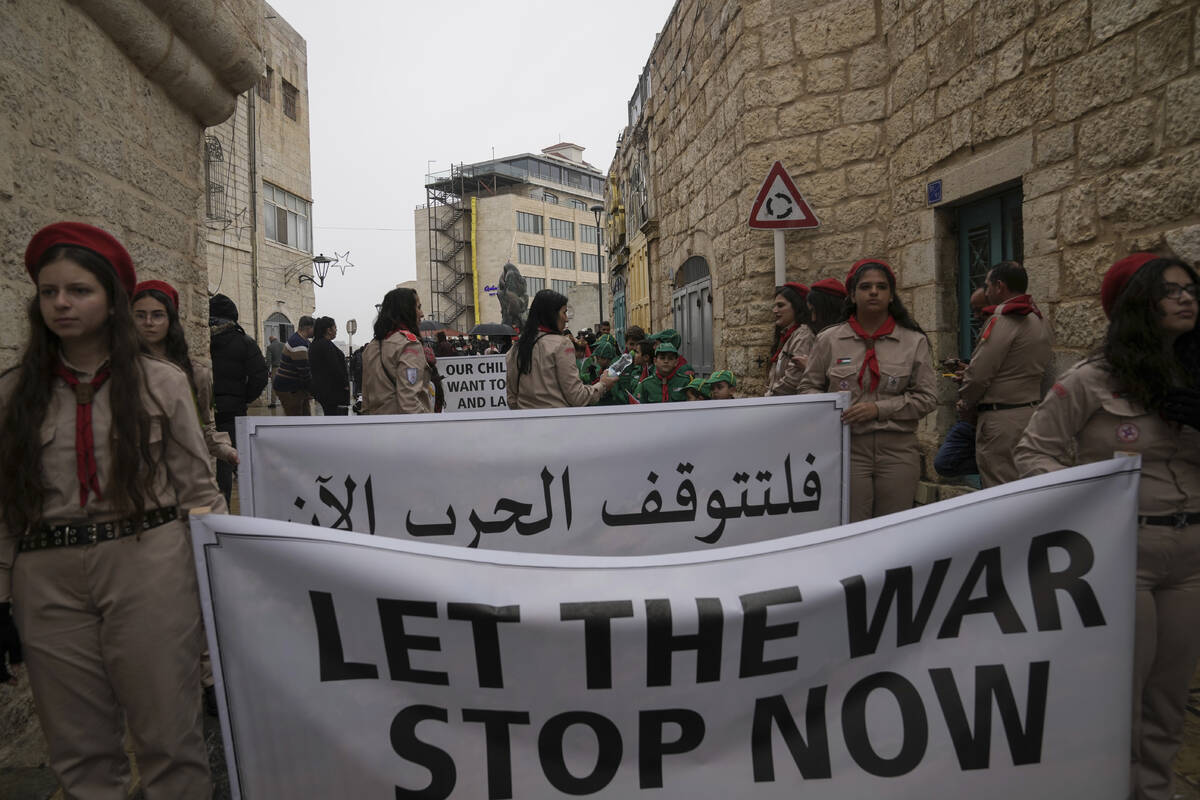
[474, 383]
[632, 480]
[975, 648]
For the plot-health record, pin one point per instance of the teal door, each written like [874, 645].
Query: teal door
[989, 231]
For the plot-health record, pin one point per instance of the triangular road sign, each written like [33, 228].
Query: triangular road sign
[779, 203]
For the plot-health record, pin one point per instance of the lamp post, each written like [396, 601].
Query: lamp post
[597, 210]
[320, 264]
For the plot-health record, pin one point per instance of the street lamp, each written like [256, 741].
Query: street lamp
[598, 210]
[320, 264]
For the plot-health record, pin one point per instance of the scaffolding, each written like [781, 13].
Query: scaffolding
[447, 204]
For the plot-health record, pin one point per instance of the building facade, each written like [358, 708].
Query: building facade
[531, 210]
[942, 136]
[258, 206]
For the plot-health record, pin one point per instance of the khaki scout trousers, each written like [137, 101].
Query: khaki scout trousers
[110, 628]
[996, 437]
[1166, 647]
[295, 404]
[884, 469]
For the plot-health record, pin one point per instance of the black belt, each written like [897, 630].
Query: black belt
[1179, 520]
[1005, 406]
[75, 534]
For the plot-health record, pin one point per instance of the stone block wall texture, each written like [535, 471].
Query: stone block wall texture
[1091, 106]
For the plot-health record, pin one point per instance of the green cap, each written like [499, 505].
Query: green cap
[604, 349]
[722, 375]
[667, 335]
[666, 347]
[701, 386]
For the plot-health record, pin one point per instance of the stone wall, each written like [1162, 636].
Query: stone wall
[1091, 108]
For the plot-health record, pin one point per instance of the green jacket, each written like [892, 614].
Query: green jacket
[659, 389]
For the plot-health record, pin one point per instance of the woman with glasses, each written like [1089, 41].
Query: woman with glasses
[541, 369]
[1141, 394]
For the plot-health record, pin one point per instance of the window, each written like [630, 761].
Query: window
[590, 262]
[214, 157]
[535, 285]
[562, 259]
[264, 89]
[286, 218]
[290, 93]
[562, 229]
[587, 233]
[562, 287]
[529, 254]
[529, 223]
[549, 198]
[582, 206]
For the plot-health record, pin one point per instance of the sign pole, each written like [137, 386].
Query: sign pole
[780, 259]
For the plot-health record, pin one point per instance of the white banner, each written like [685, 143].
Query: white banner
[980, 647]
[474, 383]
[619, 480]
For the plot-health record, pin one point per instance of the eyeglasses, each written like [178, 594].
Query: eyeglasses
[161, 316]
[1174, 291]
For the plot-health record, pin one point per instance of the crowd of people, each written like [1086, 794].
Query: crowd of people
[110, 432]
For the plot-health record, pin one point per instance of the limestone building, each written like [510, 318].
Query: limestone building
[532, 210]
[942, 136]
[258, 206]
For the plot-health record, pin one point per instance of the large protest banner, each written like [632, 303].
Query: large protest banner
[630, 480]
[474, 382]
[977, 648]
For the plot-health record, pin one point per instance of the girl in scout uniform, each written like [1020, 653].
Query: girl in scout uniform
[541, 367]
[1141, 394]
[101, 457]
[826, 300]
[881, 357]
[793, 339]
[156, 313]
[399, 372]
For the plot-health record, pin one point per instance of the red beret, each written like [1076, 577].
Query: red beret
[158, 286]
[1118, 275]
[89, 237]
[864, 262]
[830, 286]
[798, 288]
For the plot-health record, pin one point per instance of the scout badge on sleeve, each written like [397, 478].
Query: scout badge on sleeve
[411, 373]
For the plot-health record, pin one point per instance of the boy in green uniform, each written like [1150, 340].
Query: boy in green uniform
[672, 337]
[593, 367]
[721, 384]
[667, 383]
[697, 389]
[635, 373]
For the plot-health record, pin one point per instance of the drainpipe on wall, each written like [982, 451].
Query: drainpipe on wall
[253, 177]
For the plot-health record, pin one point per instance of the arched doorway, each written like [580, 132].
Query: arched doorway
[279, 326]
[691, 306]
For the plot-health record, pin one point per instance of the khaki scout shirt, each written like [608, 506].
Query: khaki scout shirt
[553, 379]
[785, 376]
[396, 376]
[219, 445]
[185, 474]
[1083, 412]
[907, 387]
[1009, 361]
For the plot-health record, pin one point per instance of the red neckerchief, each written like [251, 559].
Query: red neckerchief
[783, 340]
[1021, 304]
[544, 329]
[666, 379]
[871, 362]
[85, 451]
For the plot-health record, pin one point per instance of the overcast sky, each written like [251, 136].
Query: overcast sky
[394, 86]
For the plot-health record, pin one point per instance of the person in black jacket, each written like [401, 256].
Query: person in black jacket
[239, 374]
[327, 365]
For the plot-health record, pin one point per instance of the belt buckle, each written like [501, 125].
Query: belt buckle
[1181, 519]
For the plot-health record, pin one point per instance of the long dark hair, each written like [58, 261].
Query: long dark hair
[176, 341]
[399, 310]
[1133, 346]
[799, 309]
[22, 489]
[826, 310]
[895, 307]
[543, 313]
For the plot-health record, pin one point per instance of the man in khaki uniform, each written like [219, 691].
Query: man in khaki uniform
[1002, 384]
